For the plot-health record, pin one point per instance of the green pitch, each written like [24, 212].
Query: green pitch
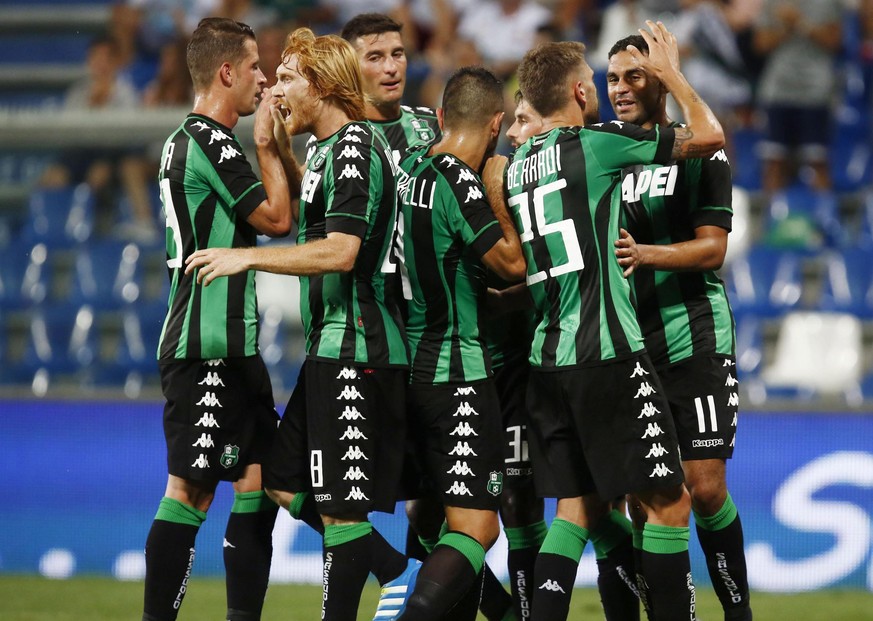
[103, 599]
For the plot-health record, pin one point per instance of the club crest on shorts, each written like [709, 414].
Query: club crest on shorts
[230, 456]
[495, 483]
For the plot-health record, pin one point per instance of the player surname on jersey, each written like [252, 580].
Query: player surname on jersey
[535, 166]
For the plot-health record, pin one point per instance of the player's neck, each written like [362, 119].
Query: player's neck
[387, 111]
[468, 147]
[329, 121]
[570, 115]
[216, 108]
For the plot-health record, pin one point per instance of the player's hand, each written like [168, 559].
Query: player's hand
[628, 253]
[663, 57]
[263, 133]
[212, 263]
[492, 173]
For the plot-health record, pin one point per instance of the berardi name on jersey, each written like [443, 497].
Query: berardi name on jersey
[535, 166]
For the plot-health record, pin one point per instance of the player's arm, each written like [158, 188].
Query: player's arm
[702, 134]
[703, 253]
[500, 301]
[274, 215]
[335, 253]
[505, 257]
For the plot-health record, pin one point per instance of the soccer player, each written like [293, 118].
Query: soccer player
[600, 423]
[219, 417]
[345, 418]
[448, 235]
[677, 218]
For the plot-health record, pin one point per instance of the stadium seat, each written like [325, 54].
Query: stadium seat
[60, 217]
[25, 275]
[815, 351]
[107, 275]
[766, 281]
[848, 282]
[749, 345]
[864, 238]
[804, 219]
[133, 363]
[745, 163]
[281, 348]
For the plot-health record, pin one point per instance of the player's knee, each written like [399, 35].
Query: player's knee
[520, 508]
[283, 499]
[708, 496]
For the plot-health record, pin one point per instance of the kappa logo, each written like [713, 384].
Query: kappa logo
[204, 441]
[463, 429]
[728, 363]
[459, 488]
[353, 453]
[351, 138]
[649, 410]
[354, 129]
[350, 393]
[350, 151]
[463, 449]
[207, 420]
[211, 379]
[351, 413]
[653, 430]
[200, 125]
[733, 440]
[639, 371]
[353, 433]
[464, 391]
[733, 400]
[465, 409]
[731, 381]
[348, 373]
[449, 161]
[354, 473]
[209, 400]
[464, 174]
[734, 421]
[473, 194]
[661, 470]
[719, 155]
[201, 462]
[218, 362]
[350, 171]
[619, 123]
[228, 152]
[657, 450]
[461, 469]
[217, 134]
[356, 494]
[551, 585]
[645, 390]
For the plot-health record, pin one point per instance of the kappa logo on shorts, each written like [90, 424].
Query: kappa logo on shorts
[639, 371]
[353, 433]
[211, 379]
[204, 441]
[648, 410]
[207, 420]
[459, 488]
[350, 393]
[645, 390]
[731, 381]
[201, 462]
[657, 450]
[463, 449]
[463, 429]
[351, 413]
[733, 400]
[218, 362]
[461, 469]
[728, 363]
[464, 391]
[661, 470]
[734, 421]
[230, 456]
[354, 452]
[356, 494]
[495, 483]
[348, 373]
[551, 585]
[465, 409]
[354, 473]
[209, 400]
[653, 430]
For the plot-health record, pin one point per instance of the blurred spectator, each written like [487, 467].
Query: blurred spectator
[271, 44]
[802, 39]
[108, 172]
[249, 12]
[172, 85]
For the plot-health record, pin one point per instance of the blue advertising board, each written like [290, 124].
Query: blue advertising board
[82, 481]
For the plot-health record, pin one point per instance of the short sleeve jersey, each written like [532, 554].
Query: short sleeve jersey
[349, 187]
[682, 314]
[208, 189]
[446, 225]
[560, 195]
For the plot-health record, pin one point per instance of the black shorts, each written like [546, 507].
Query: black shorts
[341, 437]
[454, 426]
[704, 398]
[511, 381]
[219, 416]
[604, 429]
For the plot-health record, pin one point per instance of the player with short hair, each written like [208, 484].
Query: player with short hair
[345, 417]
[676, 223]
[448, 235]
[600, 423]
[219, 417]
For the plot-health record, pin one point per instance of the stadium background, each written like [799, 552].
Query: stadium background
[80, 438]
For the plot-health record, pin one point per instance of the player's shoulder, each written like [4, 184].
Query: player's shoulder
[463, 181]
[214, 139]
[419, 111]
[356, 133]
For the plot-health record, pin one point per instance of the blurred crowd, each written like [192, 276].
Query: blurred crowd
[773, 65]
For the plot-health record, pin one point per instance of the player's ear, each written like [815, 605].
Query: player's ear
[497, 123]
[225, 73]
[441, 119]
[579, 95]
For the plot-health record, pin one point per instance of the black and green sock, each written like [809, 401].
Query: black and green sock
[347, 559]
[169, 554]
[667, 570]
[248, 552]
[642, 587]
[304, 508]
[555, 570]
[616, 579]
[524, 545]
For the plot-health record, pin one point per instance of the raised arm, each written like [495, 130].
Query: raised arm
[703, 253]
[702, 134]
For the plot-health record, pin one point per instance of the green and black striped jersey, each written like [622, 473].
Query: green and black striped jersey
[444, 228]
[208, 189]
[507, 335]
[560, 194]
[349, 187]
[414, 127]
[682, 314]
